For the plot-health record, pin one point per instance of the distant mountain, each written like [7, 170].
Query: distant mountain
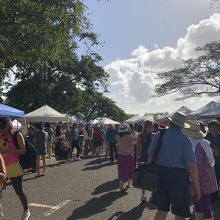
[212, 108]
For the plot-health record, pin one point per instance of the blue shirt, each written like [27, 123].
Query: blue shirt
[111, 135]
[176, 149]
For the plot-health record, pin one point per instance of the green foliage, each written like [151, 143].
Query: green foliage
[196, 77]
[34, 33]
[38, 46]
[27, 95]
[94, 105]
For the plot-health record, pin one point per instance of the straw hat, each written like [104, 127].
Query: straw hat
[193, 131]
[179, 119]
[124, 127]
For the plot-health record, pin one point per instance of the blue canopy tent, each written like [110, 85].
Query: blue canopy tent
[7, 111]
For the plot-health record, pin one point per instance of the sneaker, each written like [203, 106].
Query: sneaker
[26, 214]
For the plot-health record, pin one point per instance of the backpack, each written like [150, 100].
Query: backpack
[27, 160]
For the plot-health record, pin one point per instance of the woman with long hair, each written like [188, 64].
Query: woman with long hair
[10, 154]
[125, 150]
[144, 140]
[88, 138]
[143, 143]
[41, 142]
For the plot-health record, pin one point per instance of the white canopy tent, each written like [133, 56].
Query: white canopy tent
[133, 118]
[108, 121]
[104, 121]
[184, 110]
[138, 118]
[95, 121]
[144, 118]
[16, 125]
[212, 109]
[45, 114]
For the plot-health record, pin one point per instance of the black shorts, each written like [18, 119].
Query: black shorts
[97, 143]
[173, 191]
[41, 151]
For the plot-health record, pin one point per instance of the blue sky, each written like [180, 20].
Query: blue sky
[123, 25]
[143, 37]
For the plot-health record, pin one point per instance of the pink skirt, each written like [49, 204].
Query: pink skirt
[125, 167]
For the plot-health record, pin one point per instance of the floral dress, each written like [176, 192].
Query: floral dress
[207, 177]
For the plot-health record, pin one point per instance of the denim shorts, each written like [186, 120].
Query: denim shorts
[41, 150]
[173, 191]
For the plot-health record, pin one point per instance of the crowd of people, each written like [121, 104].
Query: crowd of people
[189, 158]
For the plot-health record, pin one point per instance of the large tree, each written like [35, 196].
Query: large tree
[70, 100]
[38, 33]
[196, 76]
[94, 105]
[38, 46]
[58, 87]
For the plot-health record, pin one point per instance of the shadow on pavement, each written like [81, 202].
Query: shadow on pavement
[133, 214]
[99, 166]
[106, 187]
[58, 163]
[96, 161]
[96, 205]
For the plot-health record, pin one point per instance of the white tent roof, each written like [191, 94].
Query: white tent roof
[45, 114]
[108, 121]
[16, 124]
[95, 121]
[133, 118]
[104, 121]
[138, 118]
[144, 118]
[210, 110]
[184, 110]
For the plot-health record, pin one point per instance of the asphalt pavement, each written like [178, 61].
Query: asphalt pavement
[72, 190]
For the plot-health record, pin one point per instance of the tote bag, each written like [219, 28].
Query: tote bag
[146, 175]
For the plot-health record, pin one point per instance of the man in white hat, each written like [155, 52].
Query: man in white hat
[177, 163]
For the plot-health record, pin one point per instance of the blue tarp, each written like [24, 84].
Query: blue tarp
[7, 111]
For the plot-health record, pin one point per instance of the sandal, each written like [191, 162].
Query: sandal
[128, 186]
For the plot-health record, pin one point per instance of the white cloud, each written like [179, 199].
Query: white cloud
[156, 46]
[132, 81]
[198, 35]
